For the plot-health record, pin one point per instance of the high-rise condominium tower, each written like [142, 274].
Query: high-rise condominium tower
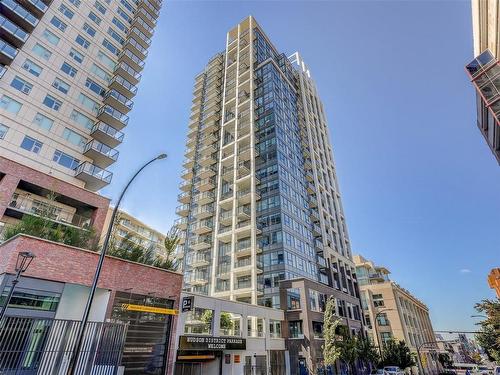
[68, 72]
[260, 200]
[484, 70]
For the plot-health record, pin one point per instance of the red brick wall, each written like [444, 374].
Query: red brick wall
[14, 172]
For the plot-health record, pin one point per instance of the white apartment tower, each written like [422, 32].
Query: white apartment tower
[69, 71]
[260, 201]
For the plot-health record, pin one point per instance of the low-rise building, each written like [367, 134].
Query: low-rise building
[392, 312]
[130, 325]
[218, 336]
[494, 280]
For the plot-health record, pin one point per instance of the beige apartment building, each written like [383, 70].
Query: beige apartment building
[484, 70]
[69, 70]
[128, 226]
[392, 312]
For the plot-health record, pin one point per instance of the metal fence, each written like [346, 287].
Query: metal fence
[32, 346]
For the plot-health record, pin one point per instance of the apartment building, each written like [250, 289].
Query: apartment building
[260, 201]
[494, 280]
[129, 227]
[484, 70]
[69, 70]
[392, 312]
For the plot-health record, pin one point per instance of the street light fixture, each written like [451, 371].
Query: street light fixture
[86, 313]
[24, 259]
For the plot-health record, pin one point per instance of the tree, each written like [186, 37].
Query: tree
[367, 353]
[168, 260]
[349, 352]
[445, 360]
[489, 333]
[397, 354]
[331, 349]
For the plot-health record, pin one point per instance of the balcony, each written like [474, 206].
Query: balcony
[123, 86]
[245, 196]
[313, 202]
[243, 267]
[186, 185]
[184, 197]
[32, 206]
[203, 212]
[105, 133]
[126, 71]
[206, 172]
[113, 117]
[228, 174]
[198, 280]
[182, 210]
[141, 38]
[205, 184]
[18, 15]
[207, 160]
[143, 26]
[245, 152]
[94, 177]
[12, 33]
[225, 234]
[244, 212]
[315, 216]
[208, 150]
[209, 139]
[188, 163]
[181, 223]
[7, 52]
[224, 271]
[321, 262]
[3, 69]
[204, 198]
[36, 7]
[118, 101]
[209, 126]
[226, 217]
[203, 227]
[132, 59]
[146, 17]
[309, 176]
[187, 174]
[316, 230]
[244, 248]
[148, 6]
[101, 154]
[201, 260]
[201, 243]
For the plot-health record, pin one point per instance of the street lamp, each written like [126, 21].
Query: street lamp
[379, 339]
[86, 313]
[24, 259]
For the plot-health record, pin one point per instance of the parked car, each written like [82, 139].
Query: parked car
[496, 370]
[393, 370]
[378, 371]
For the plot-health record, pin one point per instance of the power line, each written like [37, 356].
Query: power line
[450, 331]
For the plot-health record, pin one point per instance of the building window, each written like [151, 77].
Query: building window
[120, 25]
[77, 56]
[295, 329]
[68, 69]
[65, 160]
[317, 330]
[106, 60]
[100, 73]
[101, 8]
[3, 131]
[41, 51]
[31, 144]
[66, 11]
[51, 37]
[95, 18]
[10, 105]
[52, 102]
[88, 103]
[31, 299]
[21, 85]
[116, 36]
[89, 30]
[82, 41]
[74, 138]
[81, 119]
[293, 298]
[124, 15]
[76, 3]
[110, 46]
[61, 85]
[33, 68]
[43, 121]
[378, 300]
[127, 5]
[385, 336]
[382, 319]
[199, 321]
[93, 86]
[58, 23]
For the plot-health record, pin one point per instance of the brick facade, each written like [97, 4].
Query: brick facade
[14, 172]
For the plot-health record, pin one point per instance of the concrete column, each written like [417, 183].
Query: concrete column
[8, 186]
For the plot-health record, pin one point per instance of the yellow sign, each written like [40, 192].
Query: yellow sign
[151, 309]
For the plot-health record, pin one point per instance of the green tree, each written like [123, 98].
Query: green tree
[488, 336]
[397, 354]
[445, 360]
[349, 352]
[168, 260]
[331, 347]
[367, 353]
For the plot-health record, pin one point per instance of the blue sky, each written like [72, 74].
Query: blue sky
[419, 184]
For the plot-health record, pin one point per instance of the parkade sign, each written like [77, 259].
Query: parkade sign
[211, 343]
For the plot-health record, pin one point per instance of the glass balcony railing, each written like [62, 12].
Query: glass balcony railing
[7, 50]
[102, 149]
[12, 29]
[21, 12]
[128, 103]
[108, 130]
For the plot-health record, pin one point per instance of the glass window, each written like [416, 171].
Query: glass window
[229, 324]
[31, 299]
[81, 119]
[61, 85]
[43, 121]
[31, 144]
[120, 25]
[41, 51]
[77, 56]
[127, 5]
[3, 131]
[93, 86]
[116, 36]
[110, 46]
[31, 67]
[100, 73]
[51, 37]
[199, 321]
[52, 102]
[74, 138]
[82, 41]
[255, 326]
[68, 69]
[274, 328]
[21, 85]
[66, 11]
[88, 103]
[65, 160]
[76, 3]
[124, 15]
[106, 60]
[58, 23]
[89, 30]
[94, 18]
[293, 298]
[317, 329]
[101, 8]
[10, 105]
[295, 329]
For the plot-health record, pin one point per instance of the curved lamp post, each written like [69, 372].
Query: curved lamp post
[86, 313]
[24, 259]
[375, 324]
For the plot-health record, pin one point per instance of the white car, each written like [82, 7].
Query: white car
[393, 370]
